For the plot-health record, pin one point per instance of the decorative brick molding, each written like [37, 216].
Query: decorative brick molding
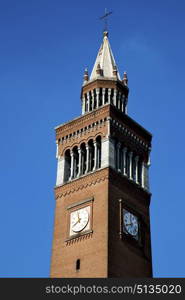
[80, 121]
[79, 238]
[81, 183]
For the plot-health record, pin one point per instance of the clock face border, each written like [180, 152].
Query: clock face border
[79, 220]
[124, 227]
[77, 207]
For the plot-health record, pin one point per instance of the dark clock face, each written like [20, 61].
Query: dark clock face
[130, 224]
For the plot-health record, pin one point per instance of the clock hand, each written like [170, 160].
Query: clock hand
[75, 223]
[78, 217]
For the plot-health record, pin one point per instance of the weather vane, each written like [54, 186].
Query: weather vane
[105, 17]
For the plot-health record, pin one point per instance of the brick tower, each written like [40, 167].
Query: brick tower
[102, 222]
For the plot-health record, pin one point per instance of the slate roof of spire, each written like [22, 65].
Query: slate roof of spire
[105, 59]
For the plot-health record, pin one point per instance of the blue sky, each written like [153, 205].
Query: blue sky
[44, 48]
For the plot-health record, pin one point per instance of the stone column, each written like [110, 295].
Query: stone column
[92, 94]
[103, 96]
[87, 158]
[119, 100]
[83, 105]
[136, 171]
[126, 108]
[124, 160]
[142, 175]
[109, 93]
[72, 164]
[118, 156]
[88, 102]
[95, 155]
[115, 96]
[122, 103]
[97, 97]
[130, 165]
[82, 161]
[79, 161]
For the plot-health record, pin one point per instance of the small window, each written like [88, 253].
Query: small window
[78, 264]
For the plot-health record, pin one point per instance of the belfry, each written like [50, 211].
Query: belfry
[102, 220]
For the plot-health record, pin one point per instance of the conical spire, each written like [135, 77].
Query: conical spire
[105, 62]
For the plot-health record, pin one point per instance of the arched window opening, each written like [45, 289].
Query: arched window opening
[106, 95]
[76, 162]
[90, 102]
[83, 162]
[100, 97]
[91, 155]
[127, 163]
[67, 165]
[140, 171]
[134, 168]
[94, 93]
[98, 156]
[86, 104]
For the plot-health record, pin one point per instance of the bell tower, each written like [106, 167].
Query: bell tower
[102, 221]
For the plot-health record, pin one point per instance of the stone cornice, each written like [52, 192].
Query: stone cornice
[82, 119]
[129, 122]
[103, 82]
[131, 136]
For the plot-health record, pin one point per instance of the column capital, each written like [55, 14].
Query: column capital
[130, 153]
[137, 158]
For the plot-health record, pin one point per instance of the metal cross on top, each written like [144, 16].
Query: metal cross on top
[104, 17]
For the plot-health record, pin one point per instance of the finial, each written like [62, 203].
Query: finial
[125, 78]
[86, 75]
[105, 34]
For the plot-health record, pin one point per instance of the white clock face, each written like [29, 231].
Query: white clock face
[130, 223]
[79, 219]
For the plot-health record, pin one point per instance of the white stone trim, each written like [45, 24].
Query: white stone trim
[124, 160]
[95, 155]
[72, 164]
[108, 153]
[130, 165]
[136, 170]
[60, 170]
